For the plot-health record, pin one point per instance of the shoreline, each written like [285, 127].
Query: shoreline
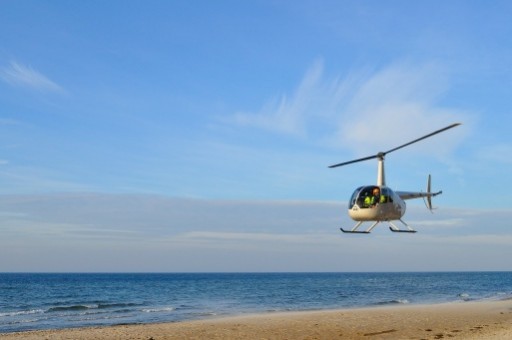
[464, 320]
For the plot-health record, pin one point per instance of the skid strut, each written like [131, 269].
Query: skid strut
[395, 229]
[355, 231]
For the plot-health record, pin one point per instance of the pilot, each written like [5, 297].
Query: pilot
[376, 196]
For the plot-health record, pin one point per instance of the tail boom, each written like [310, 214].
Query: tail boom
[427, 196]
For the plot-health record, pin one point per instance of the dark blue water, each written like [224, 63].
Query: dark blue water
[42, 301]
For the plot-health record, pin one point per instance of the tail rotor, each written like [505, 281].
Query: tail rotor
[428, 198]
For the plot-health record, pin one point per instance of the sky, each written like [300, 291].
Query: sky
[196, 136]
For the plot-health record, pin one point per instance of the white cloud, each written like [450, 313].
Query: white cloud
[172, 234]
[363, 111]
[288, 115]
[314, 106]
[481, 241]
[248, 237]
[397, 105]
[17, 74]
[444, 223]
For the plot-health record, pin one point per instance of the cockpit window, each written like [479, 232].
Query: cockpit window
[386, 196]
[354, 197]
[370, 196]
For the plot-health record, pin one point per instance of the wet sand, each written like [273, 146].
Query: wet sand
[462, 320]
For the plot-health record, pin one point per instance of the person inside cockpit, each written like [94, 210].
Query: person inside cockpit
[372, 200]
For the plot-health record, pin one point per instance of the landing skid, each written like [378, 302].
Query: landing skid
[354, 231]
[392, 227]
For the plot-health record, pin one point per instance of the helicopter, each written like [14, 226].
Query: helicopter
[378, 203]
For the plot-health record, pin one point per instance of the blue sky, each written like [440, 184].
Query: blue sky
[223, 104]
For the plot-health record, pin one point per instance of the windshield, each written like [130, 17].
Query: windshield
[354, 197]
[370, 196]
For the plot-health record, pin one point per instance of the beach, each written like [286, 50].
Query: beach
[463, 320]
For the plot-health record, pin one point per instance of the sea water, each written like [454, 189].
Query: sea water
[51, 301]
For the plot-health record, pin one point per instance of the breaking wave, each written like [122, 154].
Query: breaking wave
[89, 307]
[157, 310]
[393, 302]
[22, 312]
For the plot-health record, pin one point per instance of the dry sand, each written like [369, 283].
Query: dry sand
[468, 320]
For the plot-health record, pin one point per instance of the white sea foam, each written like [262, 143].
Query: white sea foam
[157, 310]
[464, 296]
[22, 312]
[402, 301]
[394, 302]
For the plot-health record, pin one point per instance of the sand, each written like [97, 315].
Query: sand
[462, 320]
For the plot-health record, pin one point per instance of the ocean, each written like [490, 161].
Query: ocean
[31, 301]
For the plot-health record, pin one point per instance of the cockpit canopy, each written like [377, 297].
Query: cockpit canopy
[370, 195]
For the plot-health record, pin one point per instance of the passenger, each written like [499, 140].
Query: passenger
[368, 201]
[383, 198]
[372, 200]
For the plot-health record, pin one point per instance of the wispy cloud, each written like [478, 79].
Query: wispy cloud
[216, 237]
[395, 105]
[361, 110]
[183, 235]
[17, 74]
[314, 97]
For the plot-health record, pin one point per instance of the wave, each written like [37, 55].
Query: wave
[465, 297]
[157, 310]
[89, 307]
[68, 308]
[393, 302]
[22, 312]
[117, 305]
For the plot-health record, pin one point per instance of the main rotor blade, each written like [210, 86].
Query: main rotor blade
[354, 161]
[426, 136]
[382, 154]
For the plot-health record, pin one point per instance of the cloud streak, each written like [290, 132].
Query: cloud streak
[290, 114]
[362, 110]
[173, 234]
[20, 75]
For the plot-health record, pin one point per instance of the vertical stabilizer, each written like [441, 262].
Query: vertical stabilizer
[429, 194]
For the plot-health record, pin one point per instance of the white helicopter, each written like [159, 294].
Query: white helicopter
[378, 203]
